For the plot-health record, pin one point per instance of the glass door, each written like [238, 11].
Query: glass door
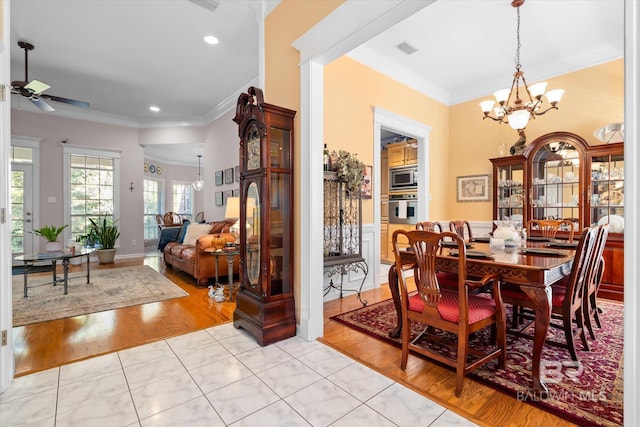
[607, 191]
[22, 240]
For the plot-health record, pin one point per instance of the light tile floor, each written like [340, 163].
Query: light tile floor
[218, 377]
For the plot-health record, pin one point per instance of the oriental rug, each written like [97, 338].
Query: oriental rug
[108, 289]
[588, 392]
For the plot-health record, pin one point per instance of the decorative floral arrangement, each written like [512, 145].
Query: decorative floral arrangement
[349, 169]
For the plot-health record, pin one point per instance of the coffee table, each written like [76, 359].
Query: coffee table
[54, 257]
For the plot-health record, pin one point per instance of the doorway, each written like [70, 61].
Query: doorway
[21, 209]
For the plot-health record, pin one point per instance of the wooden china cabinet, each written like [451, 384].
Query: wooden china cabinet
[265, 306]
[560, 176]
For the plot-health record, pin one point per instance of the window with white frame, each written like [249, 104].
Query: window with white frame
[153, 194]
[182, 198]
[91, 187]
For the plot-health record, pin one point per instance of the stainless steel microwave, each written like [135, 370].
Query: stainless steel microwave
[403, 178]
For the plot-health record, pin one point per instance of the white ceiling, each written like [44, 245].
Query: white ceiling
[123, 56]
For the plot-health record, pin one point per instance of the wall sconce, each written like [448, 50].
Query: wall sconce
[131, 186]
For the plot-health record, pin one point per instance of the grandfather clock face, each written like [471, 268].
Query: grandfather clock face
[253, 147]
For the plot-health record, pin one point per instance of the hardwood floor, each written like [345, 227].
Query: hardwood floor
[49, 344]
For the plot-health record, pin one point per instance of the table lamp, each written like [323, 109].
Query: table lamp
[233, 212]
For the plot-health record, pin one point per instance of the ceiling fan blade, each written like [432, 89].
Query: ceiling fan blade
[37, 87]
[41, 104]
[66, 101]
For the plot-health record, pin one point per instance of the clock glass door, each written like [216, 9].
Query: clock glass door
[252, 255]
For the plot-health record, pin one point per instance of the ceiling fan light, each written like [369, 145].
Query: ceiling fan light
[553, 96]
[518, 119]
[37, 86]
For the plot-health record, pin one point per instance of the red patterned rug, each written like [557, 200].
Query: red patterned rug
[588, 393]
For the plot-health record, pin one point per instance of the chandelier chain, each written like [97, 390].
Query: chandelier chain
[517, 58]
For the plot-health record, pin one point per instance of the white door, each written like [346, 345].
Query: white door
[22, 240]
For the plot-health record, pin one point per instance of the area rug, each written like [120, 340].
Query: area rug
[109, 289]
[589, 393]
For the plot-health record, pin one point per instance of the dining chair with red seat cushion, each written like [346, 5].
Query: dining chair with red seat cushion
[457, 311]
[460, 227]
[549, 227]
[566, 299]
[429, 226]
[590, 301]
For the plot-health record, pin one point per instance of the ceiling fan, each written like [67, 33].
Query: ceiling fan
[32, 90]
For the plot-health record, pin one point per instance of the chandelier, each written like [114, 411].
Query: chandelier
[199, 183]
[517, 115]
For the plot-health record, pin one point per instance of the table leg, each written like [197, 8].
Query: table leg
[395, 294]
[65, 268]
[230, 258]
[541, 297]
[25, 279]
[88, 270]
[217, 281]
[55, 278]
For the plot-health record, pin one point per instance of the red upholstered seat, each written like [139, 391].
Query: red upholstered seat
[479, 307]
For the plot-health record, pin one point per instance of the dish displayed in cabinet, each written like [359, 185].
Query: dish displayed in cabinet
[616, 223]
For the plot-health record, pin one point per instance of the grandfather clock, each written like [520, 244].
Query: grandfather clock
[264, 303]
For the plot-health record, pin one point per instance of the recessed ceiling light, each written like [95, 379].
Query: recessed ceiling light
[154, 108]
[211, 39]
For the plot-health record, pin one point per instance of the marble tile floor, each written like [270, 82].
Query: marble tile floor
[218, 377]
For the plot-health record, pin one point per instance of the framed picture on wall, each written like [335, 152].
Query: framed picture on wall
[218, 177]
[236, 192]
[219, 198]
[236, 173]
[227, 194]
[473, 188]
[228, 176]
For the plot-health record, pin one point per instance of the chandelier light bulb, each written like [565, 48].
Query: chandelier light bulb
[198, 184]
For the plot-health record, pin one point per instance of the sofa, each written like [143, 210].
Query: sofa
[192, 258]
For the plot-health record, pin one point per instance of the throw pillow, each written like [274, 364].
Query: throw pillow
[194, 231]
[183, 231]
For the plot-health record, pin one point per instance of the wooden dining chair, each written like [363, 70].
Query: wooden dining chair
[566, 299]
[550, 227]
[429, 226]
[159, 221]
[458, 311]
[459, 227]
[594, 279]
[172, 218]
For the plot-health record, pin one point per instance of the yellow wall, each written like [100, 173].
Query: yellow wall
[348, 113]
[593, 98]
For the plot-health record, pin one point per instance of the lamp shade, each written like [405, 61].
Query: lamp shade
[233, 208]
[519, 119]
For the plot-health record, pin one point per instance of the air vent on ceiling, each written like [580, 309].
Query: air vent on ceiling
[406, 48]
[210, 5]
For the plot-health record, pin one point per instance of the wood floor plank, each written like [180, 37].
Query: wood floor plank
[45, 345]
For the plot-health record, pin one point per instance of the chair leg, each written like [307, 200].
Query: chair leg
[461, 363]
[594, 307]
[583, 336]
[586, 314]
[515, 319]
[568, 334]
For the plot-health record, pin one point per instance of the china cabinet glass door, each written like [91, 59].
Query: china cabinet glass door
[510, 194]
[607, 191]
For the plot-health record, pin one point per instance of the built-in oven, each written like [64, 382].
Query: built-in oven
[403, 208]
[403, 178]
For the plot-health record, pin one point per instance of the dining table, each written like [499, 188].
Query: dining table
[534, 268]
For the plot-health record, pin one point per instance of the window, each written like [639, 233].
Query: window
[153, 194]
[90, 187]
[182, 198]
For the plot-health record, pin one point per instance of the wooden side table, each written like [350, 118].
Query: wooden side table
[230, 255]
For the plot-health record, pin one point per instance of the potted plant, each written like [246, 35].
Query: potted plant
[106, 234]
[51, 233]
